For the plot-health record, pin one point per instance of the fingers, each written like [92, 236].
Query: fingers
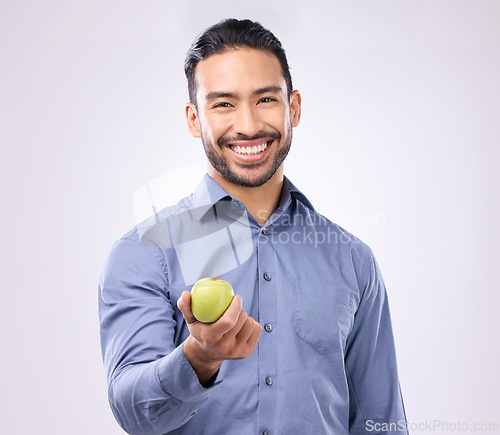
[233, 311]
[184, 305]
[226, 323]
[247, 330]
[254, 337]
[236, 329]
[240, 342]
[230, 319]
[234, 336]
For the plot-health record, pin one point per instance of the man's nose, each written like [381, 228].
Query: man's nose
[247, 121]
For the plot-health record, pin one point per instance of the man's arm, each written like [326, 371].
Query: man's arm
[375, 396]
[153, 386]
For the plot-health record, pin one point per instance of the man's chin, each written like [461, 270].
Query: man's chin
[249, 178]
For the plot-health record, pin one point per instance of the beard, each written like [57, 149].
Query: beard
[221, 166]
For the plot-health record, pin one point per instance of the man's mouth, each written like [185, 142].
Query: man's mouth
[250, 150]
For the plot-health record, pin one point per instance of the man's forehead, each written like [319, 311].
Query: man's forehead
[238, 71]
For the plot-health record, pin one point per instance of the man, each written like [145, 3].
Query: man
[324, 363]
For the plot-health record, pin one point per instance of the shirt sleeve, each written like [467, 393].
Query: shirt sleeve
[376, 404]
[152, 387]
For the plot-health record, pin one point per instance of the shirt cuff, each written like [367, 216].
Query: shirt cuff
[178, 378]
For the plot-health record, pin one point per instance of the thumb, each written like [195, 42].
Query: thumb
[184, 305]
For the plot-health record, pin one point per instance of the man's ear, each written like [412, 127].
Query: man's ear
[192, 120]
[295, 108]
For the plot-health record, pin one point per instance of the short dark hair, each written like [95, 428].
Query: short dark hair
[233, 33]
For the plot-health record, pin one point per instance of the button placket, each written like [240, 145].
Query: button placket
[268, 343]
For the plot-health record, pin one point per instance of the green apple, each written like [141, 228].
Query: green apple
[210, 297]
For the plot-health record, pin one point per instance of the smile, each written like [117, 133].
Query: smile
[250, 150]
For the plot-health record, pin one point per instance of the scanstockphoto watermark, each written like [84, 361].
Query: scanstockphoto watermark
[306, 235]
[315, 219]
[436, 425]
[312, 229]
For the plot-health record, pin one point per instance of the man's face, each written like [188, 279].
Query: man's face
[244, 117]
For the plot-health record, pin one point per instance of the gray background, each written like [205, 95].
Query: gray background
[398, 143]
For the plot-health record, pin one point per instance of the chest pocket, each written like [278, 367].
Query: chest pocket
[324, 315]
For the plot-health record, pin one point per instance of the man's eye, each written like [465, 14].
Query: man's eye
[222, 105]
[267, 100]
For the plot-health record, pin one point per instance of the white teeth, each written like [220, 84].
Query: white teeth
[249, 150]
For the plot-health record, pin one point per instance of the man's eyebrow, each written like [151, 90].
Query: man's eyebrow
[265, 90]
[221, 94]
[217, 94]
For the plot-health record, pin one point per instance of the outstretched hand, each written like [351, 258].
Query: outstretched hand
[234, 336]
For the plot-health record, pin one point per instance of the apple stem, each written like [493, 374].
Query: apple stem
[215, 273]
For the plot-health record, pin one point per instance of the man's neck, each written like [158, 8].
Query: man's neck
[260, 201]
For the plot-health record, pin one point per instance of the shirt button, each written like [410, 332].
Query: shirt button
[267, 276]
[268, 327]
[266, 432]
[264, 231]
[269, 381]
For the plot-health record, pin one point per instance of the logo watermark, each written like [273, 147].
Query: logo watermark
[436, 425]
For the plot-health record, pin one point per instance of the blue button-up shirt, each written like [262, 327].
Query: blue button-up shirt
[325, 362]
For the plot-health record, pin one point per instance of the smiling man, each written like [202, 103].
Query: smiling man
[306, 346]
[244, 112]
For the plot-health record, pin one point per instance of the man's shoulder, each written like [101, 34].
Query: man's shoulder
[153, 231]
[144, 242]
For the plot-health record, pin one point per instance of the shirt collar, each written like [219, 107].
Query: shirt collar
[206, 195]
[209, 192]
[290, 190]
